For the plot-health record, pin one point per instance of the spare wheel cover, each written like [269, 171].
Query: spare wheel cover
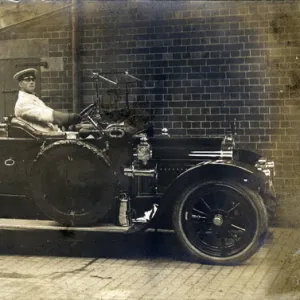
[72, 183]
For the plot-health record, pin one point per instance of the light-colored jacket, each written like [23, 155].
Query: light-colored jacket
[34, 111]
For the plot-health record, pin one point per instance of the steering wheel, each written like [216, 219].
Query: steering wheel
[86, 112]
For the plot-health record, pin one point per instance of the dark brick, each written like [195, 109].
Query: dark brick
[224, 110]
[195, 131]
[215, 117]
[254, 88]
[55, 54]
[176, 49]
[56, 41]
[216, 75]
[179, 131]
[236, 75]
[153, 64]
[215, 89]
[158, 49]
[234, 46]
[138, 50]
[197, 62]
[216, 103]
[215, 33]
[173, 63]
[195, 90]
[217, 47]
[205, 96]
[186, 97]
[215, 131]
[195, 104]
[254, 138]
[232, 61]
[231, 103]
[205, 124]
[225, 54]
[234, 89]
[196, 96]
[214, 61]
[178, 118]
[215, 69]
[178, 104]
[196, 76]
[255, 117]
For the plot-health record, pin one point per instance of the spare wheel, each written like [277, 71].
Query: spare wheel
[72, 183]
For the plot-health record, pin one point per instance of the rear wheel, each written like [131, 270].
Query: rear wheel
[220, 222]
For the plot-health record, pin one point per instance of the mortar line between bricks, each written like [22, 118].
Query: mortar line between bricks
[166, 274]
[110, 284]
[230, 290]
[204, 274]
[261, 263]
[84, 275]
[169, 277]
[146, 284]
[171, 274]
[112, 274]
[287, 280]
[249, 283]
[182, 283]
[270, 266]
[136, 278]
[213, 276]
[281, 269]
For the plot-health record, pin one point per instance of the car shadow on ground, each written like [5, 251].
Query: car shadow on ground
[103, 245]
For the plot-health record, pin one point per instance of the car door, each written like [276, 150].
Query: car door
[16, 158]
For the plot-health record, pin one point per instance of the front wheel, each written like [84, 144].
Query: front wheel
[220, 222]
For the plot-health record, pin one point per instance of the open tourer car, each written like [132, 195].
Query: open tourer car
[217, 198]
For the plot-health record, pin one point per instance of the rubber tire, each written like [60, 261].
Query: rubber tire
[88, 218]
[261, 228]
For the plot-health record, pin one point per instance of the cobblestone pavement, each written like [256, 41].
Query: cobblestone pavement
[150, 266]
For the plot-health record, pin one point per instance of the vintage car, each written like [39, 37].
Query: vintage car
[102, 174]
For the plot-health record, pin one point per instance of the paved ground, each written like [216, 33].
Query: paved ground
[47, 266]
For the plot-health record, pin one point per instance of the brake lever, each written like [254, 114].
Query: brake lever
[93, 123]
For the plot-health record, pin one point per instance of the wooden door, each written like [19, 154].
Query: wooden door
[9, 87]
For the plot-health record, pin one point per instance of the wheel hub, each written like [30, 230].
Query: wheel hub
[218, 220]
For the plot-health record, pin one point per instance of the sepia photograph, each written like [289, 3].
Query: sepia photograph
[149, 149]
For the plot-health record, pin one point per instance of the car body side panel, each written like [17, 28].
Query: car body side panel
[16, 157]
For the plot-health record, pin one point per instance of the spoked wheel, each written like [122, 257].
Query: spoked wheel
[220, 222]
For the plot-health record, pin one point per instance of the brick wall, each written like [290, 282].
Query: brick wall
[53, 36]
[203, 64]
[206, 63]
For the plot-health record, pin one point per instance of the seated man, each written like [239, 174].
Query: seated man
[33, 110]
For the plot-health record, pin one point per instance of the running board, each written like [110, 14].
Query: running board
[26, 224]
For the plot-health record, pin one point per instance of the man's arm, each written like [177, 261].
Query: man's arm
[33, 113]
[44, 114]
[62, 118]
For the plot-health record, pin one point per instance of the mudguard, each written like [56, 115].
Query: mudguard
[211, 170]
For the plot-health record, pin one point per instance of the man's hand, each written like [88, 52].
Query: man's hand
[74, 119]
[65, 119]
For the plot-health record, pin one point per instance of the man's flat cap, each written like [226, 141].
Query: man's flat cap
[24, 73]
